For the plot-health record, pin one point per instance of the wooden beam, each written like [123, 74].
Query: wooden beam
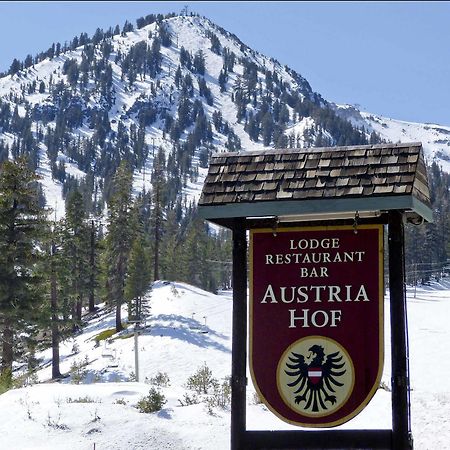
[402, 439]
[322, 440]
[239, 335]
[315, 206]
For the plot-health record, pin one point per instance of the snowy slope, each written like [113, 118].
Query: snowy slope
[192, 34]
[187, 32]
[435, 138]
[69, 416]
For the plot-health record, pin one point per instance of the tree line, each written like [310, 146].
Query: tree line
[53, 272]
[427, 249]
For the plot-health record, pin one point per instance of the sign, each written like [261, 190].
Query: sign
[316, 321]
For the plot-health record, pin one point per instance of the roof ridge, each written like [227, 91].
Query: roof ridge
[276, 151]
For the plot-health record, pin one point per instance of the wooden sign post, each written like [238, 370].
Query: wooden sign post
[316, 286]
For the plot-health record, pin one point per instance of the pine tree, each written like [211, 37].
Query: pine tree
[93, 269]
[121, 230]
[170, 248]
[222, 80]
[199, 62]
[15, 67]
[157, 215]
[138, 278]
[22, 229]
[57, 316]
[267, 128]
[76, 250]
[197, 270]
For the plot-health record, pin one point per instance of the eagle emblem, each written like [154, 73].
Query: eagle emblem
[316, 382]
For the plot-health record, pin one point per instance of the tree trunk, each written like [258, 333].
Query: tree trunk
[157, 237]
[7, 348]
[74, 316]
[92, 270]
[55, 328]
[119, 317]
[119, 284]
[91, 301]
[79, 307]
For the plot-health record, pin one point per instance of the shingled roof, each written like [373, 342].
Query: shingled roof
[317, 180]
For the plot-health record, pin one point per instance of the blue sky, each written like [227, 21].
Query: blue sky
[391, 58]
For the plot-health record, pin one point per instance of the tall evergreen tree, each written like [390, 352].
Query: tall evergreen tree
[197, 269]
[58, 317]
[77, 251]
[120, 236]
[22, 229]
[56, 373]
[93, 269]
[170, 248]
[138, 278]
[157, 215]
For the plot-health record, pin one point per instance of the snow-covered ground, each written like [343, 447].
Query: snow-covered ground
[187, 329]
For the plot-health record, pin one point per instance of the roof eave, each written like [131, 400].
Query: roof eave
[313, 207]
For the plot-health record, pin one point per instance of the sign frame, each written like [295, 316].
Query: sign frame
[319, 420]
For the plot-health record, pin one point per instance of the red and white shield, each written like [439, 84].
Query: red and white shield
[315, 374]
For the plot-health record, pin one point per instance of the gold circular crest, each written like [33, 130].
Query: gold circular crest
[315, 376]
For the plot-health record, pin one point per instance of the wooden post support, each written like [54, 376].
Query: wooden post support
[401, 434]
[239, 345]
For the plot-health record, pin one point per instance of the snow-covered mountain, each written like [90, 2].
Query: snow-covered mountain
[182, 85]
[435, 138]
[187, 329]
[179, 84]
[92, 95]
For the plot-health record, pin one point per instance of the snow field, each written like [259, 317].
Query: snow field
[62, 415]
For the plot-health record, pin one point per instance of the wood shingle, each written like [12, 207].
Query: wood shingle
[273, 182]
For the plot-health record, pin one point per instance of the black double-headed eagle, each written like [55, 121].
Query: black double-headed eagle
[315, 380]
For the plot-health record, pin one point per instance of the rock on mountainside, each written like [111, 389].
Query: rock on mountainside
[175, 86]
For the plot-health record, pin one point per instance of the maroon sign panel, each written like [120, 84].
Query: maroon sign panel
[316, 321]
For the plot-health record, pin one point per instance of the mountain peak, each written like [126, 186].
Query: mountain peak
[178, 83]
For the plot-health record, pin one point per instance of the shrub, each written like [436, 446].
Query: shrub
[202, 380]
[153, 402]
[189, 400]
[85, 399]
[95, 417]
[77, 370]
[26, 379]
[75, 348]
[6, 380]
[56, 423]
[221, 395]
[160, 379]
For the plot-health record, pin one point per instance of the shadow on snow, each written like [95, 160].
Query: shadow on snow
[186, 329]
